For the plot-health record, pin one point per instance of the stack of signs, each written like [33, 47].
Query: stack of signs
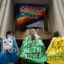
[38, 24]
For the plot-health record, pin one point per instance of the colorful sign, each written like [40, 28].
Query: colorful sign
[29, 13]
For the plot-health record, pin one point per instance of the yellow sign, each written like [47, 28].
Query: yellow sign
[55, 51]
